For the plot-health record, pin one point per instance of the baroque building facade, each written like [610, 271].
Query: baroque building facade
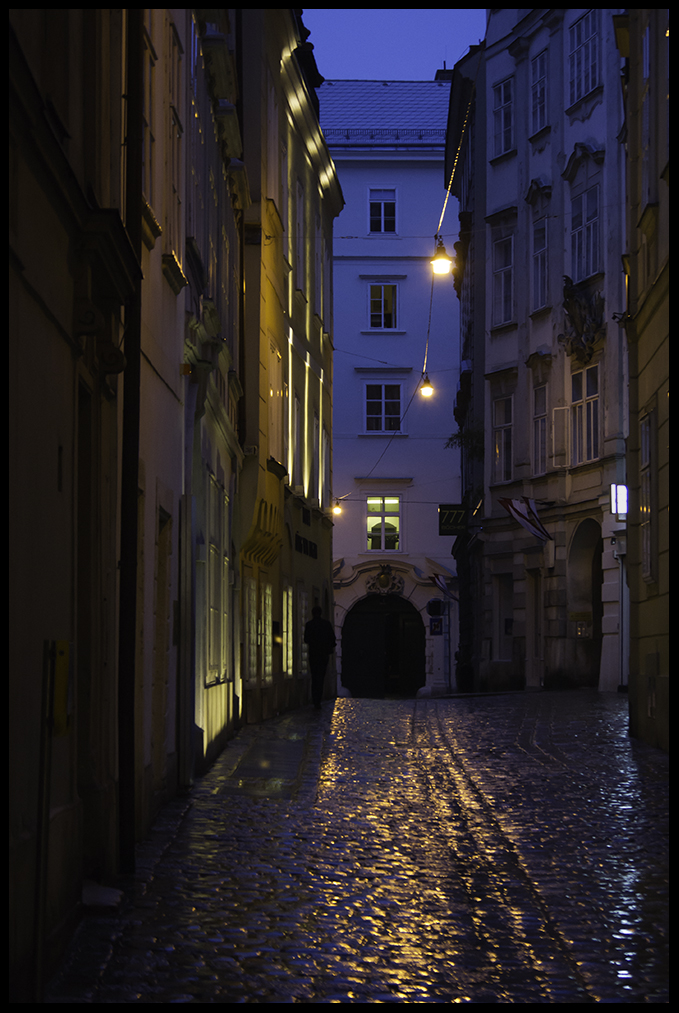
[542, 410]
[396, 626]
[170, 501]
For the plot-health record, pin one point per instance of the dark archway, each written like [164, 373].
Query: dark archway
[585, 607]
[383, 640]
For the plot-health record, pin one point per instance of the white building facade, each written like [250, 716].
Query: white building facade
[396, 629]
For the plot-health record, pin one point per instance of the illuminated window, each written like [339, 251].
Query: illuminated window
[384, 523]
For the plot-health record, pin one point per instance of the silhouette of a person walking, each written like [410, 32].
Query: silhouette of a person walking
[320, 638]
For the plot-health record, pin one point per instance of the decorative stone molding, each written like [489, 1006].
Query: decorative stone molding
[385, 581]
[585, 326]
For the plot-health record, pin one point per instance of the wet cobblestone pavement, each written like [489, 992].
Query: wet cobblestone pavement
[508, 849]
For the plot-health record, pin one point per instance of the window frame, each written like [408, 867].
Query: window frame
[585, 235]
[503, 284]
[382, 312]
[648, 496]
[540, 430]
[503, 441]
[503, 117]
[382, 200]
[585, 438]
[384, 514]
[371, 398]
[584, 75]
[540, 266]
[538, 92]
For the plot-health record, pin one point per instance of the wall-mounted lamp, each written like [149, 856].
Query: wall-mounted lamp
[337, 507]
[441, 264]
[619, 501]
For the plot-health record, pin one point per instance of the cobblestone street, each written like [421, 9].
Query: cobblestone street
[483, 849]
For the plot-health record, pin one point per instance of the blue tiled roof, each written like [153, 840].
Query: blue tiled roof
[384, 113]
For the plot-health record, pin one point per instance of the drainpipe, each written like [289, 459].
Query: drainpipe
[129, 491]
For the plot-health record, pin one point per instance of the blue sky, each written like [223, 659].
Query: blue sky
[391, 45]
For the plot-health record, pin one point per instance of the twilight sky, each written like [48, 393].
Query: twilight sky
[391, 45]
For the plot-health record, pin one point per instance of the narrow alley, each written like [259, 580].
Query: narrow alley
[486, 850]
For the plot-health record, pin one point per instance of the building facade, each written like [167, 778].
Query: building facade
[284, 534]
[392, 322]
[643, 41]
[542, 410]
[171, 204]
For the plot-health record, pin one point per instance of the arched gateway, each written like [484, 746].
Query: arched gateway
[383, 640]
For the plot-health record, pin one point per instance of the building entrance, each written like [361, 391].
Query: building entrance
[383, 641]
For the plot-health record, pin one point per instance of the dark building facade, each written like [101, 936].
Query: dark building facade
[153, 230]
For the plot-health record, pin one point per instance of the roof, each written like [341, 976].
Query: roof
[384, 113]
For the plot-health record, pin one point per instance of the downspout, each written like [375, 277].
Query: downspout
[129, 483]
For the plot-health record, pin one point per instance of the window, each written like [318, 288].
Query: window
[383, 407]
[383, 526]
[148, 127]
[382, 211]
[585, 234]
[503, 260]
[502, 429]
[503, 117]
[646, 496]
[583, 59]
[302, 618]
[585, 415]
[297, 476]
[538, 90]
[174, 217]
[540, 264]
[250, 631]
[540, 430]
[218, 647]
[299, 236]
[276, 404]
[266, 631]
[383, 307]
[325, 465]
[288, 630]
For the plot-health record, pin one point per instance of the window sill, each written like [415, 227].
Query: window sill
[500, 328]
[381, 552]
[540, 134]
[496, 159]
[383, 330]
[585, 466]
[381, 433]
[582, 108]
